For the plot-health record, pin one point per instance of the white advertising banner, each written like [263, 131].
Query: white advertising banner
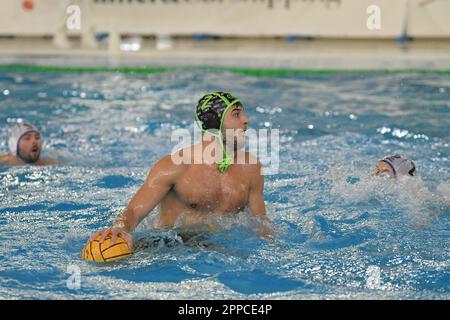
[32, 17]
[255, 18]
[429, 18]
[326, 18]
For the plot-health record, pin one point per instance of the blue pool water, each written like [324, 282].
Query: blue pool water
[339, 233]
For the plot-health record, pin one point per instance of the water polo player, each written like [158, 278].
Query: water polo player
[25, 145]
[189, 193]
[395, 166]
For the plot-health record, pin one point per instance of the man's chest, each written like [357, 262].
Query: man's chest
[208, 190]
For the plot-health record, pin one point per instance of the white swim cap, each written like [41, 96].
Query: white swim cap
[17, 132]
[400, 165]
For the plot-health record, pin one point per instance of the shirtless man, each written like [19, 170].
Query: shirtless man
[190, 192]
[25, 145]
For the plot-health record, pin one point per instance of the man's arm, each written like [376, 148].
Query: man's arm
[256, 196]
[160, 180]
[3, 159]
[49, 162]
[256, 201]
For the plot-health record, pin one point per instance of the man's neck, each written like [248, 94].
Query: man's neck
[211, 142]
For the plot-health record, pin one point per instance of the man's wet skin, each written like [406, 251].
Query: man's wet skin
[191, 193]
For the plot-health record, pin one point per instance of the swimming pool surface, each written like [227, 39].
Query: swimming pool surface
[339, 233]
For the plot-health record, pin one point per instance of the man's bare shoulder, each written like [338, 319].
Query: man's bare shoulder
[3, 158]
[164, 173]
[166, 165]
[48, 162]
[186, 157]
[7, 160]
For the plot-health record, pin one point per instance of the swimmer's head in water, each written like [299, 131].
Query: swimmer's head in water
[395, 166]
[210, 114]
[25, 142]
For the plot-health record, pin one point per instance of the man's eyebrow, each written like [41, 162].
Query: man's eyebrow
[28, 134]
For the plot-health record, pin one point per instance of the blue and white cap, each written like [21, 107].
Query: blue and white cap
[17, 132]
[400, 166]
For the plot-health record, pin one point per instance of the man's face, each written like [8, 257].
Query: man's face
[383, 169]
[236, 123]
[30, 147]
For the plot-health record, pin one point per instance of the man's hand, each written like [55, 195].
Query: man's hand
[114, 232]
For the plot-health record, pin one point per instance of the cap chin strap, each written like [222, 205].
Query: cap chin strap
[390, 165]
[226, 161]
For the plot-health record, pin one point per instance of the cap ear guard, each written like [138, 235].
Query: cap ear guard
[211, 109]
[12, 145]
[209, 120]
[412, 172]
